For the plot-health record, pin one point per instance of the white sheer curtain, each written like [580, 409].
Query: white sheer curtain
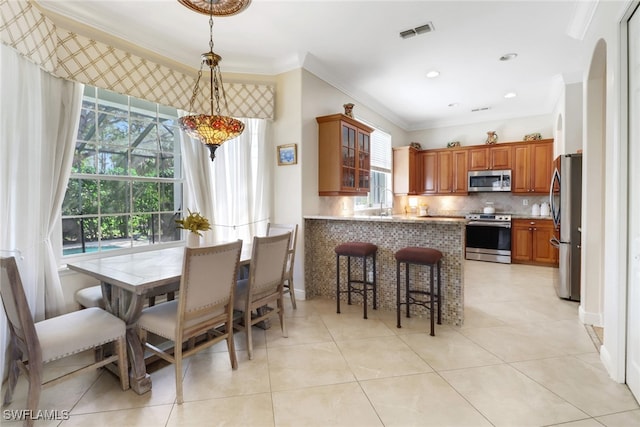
[232, 190]
[39, 121]
[241, 179]
[198, 193]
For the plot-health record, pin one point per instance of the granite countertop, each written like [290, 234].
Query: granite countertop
[529, 216]
[400, 218]
[392, 218]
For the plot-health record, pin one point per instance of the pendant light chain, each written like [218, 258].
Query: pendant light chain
[196, 89]
[212, 129]
[215, 91]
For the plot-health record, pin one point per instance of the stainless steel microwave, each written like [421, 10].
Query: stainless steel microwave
[489, 180]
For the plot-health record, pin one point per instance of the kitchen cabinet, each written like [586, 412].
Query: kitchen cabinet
[530, 242]
[405, 171]
[427, 161]
[451, 171]
[344, 151]
[444, 171]
[532, 167]
[494, 157]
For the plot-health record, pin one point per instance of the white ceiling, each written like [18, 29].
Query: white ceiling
[355, 45]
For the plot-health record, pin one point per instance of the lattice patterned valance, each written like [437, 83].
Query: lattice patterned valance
[78, 58]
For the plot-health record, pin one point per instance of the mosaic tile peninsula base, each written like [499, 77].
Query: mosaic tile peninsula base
[323, 234]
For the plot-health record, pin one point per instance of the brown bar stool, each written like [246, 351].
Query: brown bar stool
[420, 256]
[357, 250]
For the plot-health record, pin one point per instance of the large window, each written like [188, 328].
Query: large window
[125, 188]
[380, 190]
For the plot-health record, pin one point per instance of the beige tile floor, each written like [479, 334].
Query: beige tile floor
[522, 358]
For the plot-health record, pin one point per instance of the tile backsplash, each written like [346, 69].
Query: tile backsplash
[460, 205]
[444, 205]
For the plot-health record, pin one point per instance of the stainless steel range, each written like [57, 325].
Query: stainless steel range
[488, 237]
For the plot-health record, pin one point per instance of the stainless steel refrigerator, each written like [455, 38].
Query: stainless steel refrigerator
[565, 197]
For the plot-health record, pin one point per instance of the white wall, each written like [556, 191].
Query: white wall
[572, 118]
[287, 189]
[287, 129]
[568, 120]
[474, 134]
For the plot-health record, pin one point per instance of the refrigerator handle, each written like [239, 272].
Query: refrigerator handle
[555, 210]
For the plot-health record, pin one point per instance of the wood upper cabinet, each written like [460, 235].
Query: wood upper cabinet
[427, 162]
[533, 166]
[451, 171]
[494, 157]
[344, 152]
[405, 171]
[530, 242]
[444, 171]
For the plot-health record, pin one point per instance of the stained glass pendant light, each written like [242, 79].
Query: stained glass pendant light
[212, 129]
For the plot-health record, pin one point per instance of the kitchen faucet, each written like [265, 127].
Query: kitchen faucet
[382, 212]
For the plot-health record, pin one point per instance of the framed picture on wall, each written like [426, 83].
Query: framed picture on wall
[287, 154]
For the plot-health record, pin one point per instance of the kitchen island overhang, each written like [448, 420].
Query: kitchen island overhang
[389, 233]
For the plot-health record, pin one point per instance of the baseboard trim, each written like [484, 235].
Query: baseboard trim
[607, 362]
[300, 294]
[594, 319]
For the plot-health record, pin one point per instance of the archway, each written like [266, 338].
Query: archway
[593, 189]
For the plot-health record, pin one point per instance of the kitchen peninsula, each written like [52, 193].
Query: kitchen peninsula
[389, 233]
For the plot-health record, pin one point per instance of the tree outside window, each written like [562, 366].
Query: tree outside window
[125, 188]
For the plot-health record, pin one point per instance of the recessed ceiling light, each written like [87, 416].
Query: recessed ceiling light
[510, 95]
[433, 73]
[508, 56]
[453, 104]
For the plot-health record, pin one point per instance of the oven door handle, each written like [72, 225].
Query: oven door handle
[489, 224]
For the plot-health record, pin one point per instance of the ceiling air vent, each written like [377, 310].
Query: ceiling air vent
[426, 28]
[475, 110]
[422, 29]
[407, 33]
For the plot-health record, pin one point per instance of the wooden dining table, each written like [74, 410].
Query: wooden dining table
[126, 282]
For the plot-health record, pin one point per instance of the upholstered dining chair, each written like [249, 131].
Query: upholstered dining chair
[275, 229]
[91, 296]
[205, 306]
[33, 344]
[264, 285]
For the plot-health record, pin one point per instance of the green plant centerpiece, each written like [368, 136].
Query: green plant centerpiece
[194, 222]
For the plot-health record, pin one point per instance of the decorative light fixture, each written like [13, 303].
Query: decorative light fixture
[216, 7]
[212, 129]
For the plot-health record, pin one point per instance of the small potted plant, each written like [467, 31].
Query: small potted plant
[195, 223]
